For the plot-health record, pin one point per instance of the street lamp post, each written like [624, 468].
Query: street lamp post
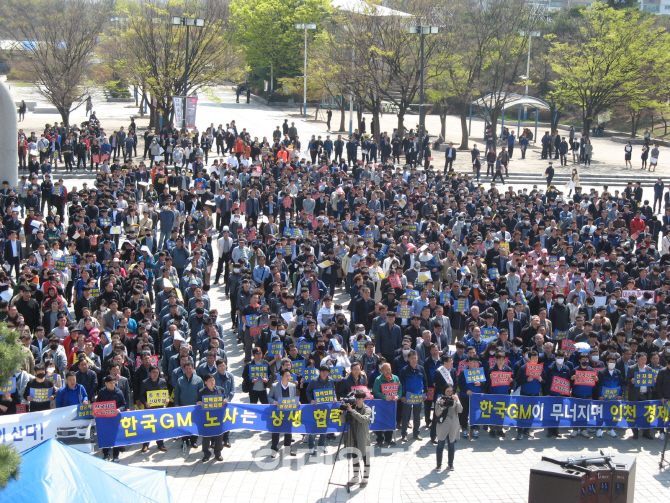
[305, 26]
[422, 30]
[188, 22]
[531, 34]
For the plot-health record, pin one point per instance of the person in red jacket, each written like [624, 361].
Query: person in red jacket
[637, 225]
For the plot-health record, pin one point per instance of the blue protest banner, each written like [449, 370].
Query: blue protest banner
[213, 402]
[324, 395]
[69, 260]
[41, 394]
[289, 403]
[644, 379]
[412, 295]
[474, 375]
[564, 412]
[305, 348]
[258, 372]
[9, 386]
[60, 265]
[461, 305]
[359, 347]
[445, 297]
[610, 393]
[336, 373]
[276, 348]
[158, 424]
[310, 373]
[84, 411]
[412, 399]
[298, 367]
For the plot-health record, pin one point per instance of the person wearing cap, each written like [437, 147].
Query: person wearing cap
[110, 393]
[320, 390]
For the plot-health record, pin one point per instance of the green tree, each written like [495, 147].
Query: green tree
[12, 358]
[606, 60]
[266, 30]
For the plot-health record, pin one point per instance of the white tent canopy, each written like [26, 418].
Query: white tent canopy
[509, 100]
[366, 9]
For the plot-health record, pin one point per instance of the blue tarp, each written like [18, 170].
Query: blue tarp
[55, 473]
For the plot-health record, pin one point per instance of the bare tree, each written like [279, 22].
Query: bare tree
[60, 37]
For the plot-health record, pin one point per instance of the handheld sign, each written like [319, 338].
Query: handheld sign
[560, 335]
[445, 297]
[534, 370]
[256, 331]
[501, 378]
[585, 378]
[560, 386]
[412, 295]
[310, 374]
[423, 277]
[84, 411]
[104, 409]
[474, 375]
[298, 367]
[157, 398]
[288, 403]
[324, 395]
[305, 348]
[494, 273]
[390, 388]
[411, 398]
[258, 372]
[610, 393]
[9, 386]
[359, 347]
[276, 349]
[41, 394]
[404, 311]
[568, 346]
[462, 365]
[645, 378]
[337, 373]
[213, 402]
[395, 282]
[461, 305]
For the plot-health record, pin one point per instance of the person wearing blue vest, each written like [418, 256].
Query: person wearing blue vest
[529, 386]
[580, 390]
[413, 381]
[72, 393]
[609, 378]
[499, 380]
[466, 390]
[559, 368]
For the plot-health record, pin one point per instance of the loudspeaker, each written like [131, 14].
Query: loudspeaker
[601, 479]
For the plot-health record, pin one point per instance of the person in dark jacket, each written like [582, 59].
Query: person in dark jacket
[559, 315]
[211, 389]
[530, 386]
[558, 369]
[389, 338]
[580, 390]
[152, 383]
[39, 382]
[110, 393]
[499, 382]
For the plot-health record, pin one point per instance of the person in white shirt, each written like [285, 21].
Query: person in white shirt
[326, 312]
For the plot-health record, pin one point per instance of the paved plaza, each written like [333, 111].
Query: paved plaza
[487, 469]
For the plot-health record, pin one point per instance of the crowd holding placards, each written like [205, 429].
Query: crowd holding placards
[539, 293]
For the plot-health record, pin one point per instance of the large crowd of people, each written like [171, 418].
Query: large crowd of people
[401, 276]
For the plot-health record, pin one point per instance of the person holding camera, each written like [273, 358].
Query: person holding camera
[447, 408]
[358, 435]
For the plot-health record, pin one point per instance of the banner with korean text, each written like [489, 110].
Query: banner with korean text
[560, 412]
[67, 425]
[160, 424]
